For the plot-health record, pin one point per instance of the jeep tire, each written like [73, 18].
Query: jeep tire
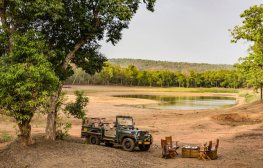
[94, 140]
[128, 144]
[144, 147]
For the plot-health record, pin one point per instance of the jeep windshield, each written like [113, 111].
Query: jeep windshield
[125, 121]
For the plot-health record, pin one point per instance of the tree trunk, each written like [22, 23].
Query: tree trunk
[54, 104]
[52, 115]
[25, 132]
[51, 125]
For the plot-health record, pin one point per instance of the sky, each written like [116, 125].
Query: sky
[195, 31]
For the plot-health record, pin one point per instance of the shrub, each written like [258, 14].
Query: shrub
[5, 137]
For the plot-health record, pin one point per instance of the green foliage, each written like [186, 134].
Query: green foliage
[26, 78]
[131, 76]
[20, 16]
[252, 31]
[72, 29]
[5, 137]
[75, 35]
[63, 127]
[76, 109]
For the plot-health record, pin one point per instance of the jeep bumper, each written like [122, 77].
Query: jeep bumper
[144, 143]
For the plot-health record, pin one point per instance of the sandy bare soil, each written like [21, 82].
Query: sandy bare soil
[239, 129]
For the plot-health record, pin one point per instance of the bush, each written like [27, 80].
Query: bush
[76, 109]
[63, 126]
[5, 137]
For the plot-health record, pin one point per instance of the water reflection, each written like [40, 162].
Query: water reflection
[185, 102]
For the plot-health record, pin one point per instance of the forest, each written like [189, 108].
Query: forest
[143, 64]
[133, 76]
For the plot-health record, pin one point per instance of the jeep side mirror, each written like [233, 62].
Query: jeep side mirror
[114, 123]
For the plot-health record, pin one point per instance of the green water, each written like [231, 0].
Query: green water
[184, 103]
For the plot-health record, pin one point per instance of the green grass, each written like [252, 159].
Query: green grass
[199, 90]
[249, 97]
[5, 137]
[153, 89]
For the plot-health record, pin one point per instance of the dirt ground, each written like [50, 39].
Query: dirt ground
[239, 128]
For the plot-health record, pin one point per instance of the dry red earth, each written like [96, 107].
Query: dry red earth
[239, 128]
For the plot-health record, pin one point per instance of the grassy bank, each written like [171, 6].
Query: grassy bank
[199, 90]
[94, 89]
[249, 96]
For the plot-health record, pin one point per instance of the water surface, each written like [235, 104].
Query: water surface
[185, 102]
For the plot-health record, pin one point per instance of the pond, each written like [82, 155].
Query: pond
[185, 102]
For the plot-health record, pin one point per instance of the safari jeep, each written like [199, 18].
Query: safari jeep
[122, 132]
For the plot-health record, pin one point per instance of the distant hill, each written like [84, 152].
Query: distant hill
[172, 66]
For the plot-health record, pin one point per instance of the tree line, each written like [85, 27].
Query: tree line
[170, 66]
[132, 76]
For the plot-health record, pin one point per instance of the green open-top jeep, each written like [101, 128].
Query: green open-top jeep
[122, 132]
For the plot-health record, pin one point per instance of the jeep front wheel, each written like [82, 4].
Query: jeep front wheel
[128, 144]
[94, 140]
[144, 147]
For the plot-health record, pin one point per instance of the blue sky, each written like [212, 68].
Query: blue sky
[184, 31]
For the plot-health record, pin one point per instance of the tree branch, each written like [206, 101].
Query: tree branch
[72, 53]
[80, 43]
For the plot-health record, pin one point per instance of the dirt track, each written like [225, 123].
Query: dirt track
[240, 133]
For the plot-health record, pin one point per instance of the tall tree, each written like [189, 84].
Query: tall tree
[252, 30]
[26, 81]
[75, 34]
[24, 58]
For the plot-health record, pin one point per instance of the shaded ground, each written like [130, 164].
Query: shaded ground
[245, 150]
[74, 153]
[239, 129]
